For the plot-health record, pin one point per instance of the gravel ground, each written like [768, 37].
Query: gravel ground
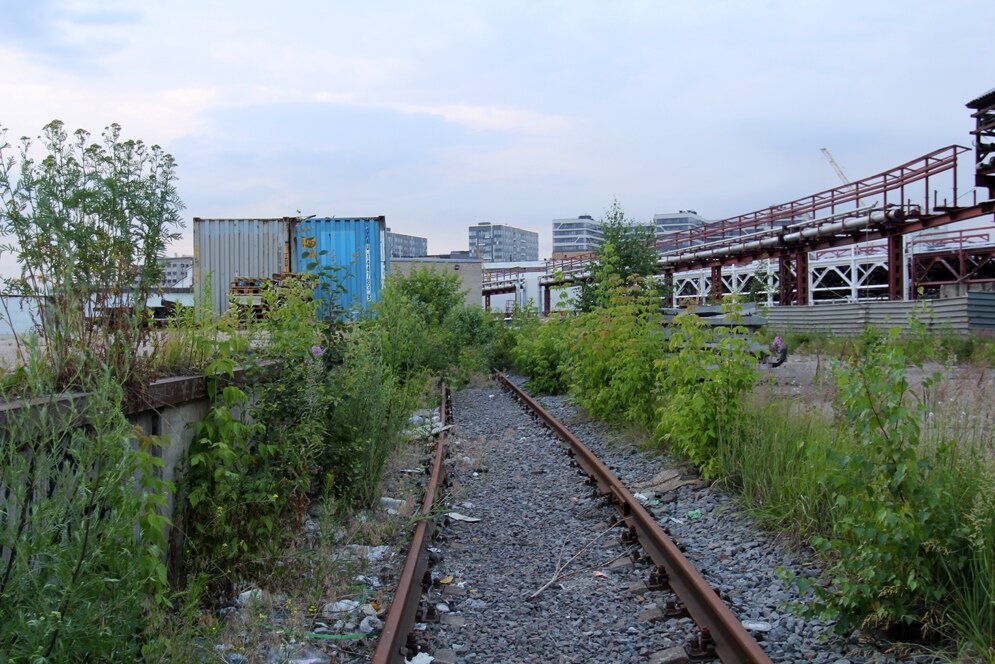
[738, 558]
[536, 514]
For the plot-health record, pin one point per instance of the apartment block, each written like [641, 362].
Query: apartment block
[498, 242]
[406, 246]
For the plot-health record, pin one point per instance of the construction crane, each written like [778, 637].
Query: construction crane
[836, 167]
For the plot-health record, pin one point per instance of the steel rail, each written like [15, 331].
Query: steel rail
[733, 643]
[400, 618]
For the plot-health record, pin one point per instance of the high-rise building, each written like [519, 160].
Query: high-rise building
[498, 242]
[406, 246]
[575, 236]
[667, 223]
[677, 221]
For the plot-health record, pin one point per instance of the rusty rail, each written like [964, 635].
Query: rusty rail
[732, 642]
[400, 618]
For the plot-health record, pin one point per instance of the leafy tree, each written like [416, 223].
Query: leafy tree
[627, 250]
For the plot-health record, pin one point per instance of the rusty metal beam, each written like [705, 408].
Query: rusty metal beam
[717, 289]
[896, 267]
[732, 642]
[400, 618]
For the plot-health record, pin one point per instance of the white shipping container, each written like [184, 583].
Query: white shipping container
[227, 248]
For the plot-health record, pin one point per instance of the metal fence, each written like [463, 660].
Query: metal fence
[972, 312]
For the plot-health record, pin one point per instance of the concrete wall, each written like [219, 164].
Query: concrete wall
[469, 272]
[170, 408]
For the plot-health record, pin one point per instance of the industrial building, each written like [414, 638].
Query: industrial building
[498, 242]
[400, 245]
[575, 236]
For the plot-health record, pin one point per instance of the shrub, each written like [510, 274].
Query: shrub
[81, 541]
[541, 353]
[613, 349]
[895, 518]
[702, 385]
[365, 426]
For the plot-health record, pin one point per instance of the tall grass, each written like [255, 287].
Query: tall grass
[776, 460]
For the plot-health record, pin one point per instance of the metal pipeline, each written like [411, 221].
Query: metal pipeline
[821, 229]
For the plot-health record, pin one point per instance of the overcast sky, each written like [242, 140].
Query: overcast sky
[441, 115]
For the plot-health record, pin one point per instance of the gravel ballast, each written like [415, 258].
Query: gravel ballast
[536, 512]
[737, 557]
[495, 592]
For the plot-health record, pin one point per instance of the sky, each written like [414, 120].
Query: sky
[440, 115]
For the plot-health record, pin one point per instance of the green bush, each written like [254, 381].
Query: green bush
[702, 385]
[81, 539]
[613, 350]
[541, 353]
[365, 427]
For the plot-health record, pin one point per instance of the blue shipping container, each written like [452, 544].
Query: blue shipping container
[354, 247]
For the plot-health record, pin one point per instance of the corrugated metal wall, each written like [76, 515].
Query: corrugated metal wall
[356, 244]
[971, 312]
[226, 248]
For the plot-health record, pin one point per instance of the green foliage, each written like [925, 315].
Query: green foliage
[626, 250]
[613, 349]
[434, 293]
[88, 224]
[81, 537]
[365, 427]
[897, 519]
[702, 384]
[258, 450]
[541, 352]
[423, 325]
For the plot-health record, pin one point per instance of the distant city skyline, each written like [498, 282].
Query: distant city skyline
[440, 115]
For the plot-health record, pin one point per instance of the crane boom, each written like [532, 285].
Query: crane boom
[836, 167]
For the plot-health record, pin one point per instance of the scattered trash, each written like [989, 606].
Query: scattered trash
[442, 607]
[446, 580]
[370, 624]
[368, 609]
[249, 596]
[373, 554]
[600, 575]
[371, 581]
[641, 497]
[333, 609]
[694, 514]
[490, 396]
[676, 520]
[421, 658]
[757, 626]
[456, 516]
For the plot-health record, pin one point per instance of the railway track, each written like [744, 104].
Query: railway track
[619, 548]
